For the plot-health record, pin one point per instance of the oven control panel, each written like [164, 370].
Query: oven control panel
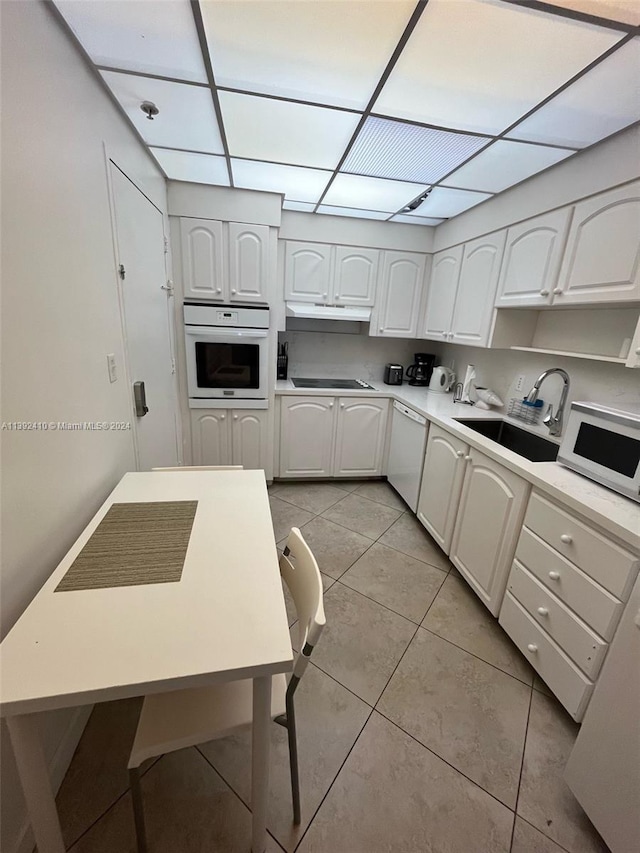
[226, 318]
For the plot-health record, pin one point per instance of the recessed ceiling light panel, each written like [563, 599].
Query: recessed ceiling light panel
[196, 168]
[362, 193]
[408, 152]
[292, 181]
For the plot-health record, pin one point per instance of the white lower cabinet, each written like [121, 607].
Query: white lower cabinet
[441, 484]
[230, 437]
[487, 526]
[332, 437]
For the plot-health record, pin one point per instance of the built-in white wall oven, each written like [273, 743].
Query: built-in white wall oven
[227, 353]
[603, 443]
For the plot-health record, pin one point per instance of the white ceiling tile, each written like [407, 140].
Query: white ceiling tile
[479, 65]
[304, 206]
[371, 193]
[279, 131]
[626, 11]
[138, 35]
[443, 203]
[186, 119]
[312, 50]
[504, 164]
[292, 181]
[197, 168]
[408, 152]
[351, 211]
[416, 220]
[605, 100]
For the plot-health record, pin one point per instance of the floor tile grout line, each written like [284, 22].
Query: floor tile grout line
[542, 832]
[524, 748]
[386, 606]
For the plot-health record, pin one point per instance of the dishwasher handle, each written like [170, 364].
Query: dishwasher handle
[409, 413]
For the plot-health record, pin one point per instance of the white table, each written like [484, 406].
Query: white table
[224, 620]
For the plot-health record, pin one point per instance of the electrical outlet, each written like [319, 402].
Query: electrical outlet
[111, 364]
[520, 382]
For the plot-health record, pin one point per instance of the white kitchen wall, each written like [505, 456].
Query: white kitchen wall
[60, 319]
[347, 231]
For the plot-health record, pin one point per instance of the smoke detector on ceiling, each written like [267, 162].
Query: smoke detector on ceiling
[149, 109]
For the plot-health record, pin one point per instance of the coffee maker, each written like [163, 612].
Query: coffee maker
[420, 372]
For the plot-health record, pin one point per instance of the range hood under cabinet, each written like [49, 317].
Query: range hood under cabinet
[328, 312]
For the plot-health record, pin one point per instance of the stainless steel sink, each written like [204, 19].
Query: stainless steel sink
[532, 447]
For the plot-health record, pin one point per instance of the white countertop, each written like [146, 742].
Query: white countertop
[614, 513]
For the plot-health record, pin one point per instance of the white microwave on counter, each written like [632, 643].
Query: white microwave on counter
[603, 443]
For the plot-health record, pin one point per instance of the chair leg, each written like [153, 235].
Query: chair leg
[293, 759]
[138, 811]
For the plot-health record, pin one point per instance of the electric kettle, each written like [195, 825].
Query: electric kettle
[442, 380]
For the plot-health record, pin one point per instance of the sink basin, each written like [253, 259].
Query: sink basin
[532, 447]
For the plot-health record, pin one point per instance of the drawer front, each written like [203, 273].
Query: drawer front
[563, 677]
[595, 605]
[572, 635]
[606, 562]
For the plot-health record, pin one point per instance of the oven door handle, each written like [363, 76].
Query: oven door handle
[209, 332]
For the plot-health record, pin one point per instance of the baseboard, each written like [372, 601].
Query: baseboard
[58, 769]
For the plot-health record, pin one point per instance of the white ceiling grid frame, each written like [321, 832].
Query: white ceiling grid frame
[443, 203]
[281, 48]
[293, 182]
[354, 212]
[409, 152]
[192, 166]
[304, 206]
[357, 191]
[473, 64]
[284, 132]
[602, 102]
[503, 164]
[179, 105]
[415, 220]
[134, 37]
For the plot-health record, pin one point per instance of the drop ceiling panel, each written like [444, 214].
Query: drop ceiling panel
[135, 37]
[395, 149]
[443, 203]
[304, 206]
[625, 11]
[312, 50]
[479, 65]
[186, 119]
[600, 103]
[504, 164]
[371, 193]
[415, 220]
[279, 131]
[351, 211]
[198, 168]
[292, 181]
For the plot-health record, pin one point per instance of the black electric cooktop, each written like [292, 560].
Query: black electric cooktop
[337, 384]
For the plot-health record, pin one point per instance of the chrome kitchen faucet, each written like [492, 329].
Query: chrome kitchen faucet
[553, 422]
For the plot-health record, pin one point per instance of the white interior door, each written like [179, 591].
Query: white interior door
[146, 306]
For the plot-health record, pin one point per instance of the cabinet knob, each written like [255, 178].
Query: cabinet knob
[543, 611]
[235, 417]
[555, 576]
[324, 295]
[544, 293]
[331, 405]
[337, 296]
[233, 290]
[342, 405]
[532, 647]
[460, 454]
[467, 459]
[557, 291]
[566, 539]
[222, 417]
[218, 290]
[638, 351]
[381, 329]
[450, 334]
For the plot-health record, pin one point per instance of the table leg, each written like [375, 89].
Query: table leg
[34, 775]
[261, 741]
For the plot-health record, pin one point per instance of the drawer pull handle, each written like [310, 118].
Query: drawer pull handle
[543, 611]
[566, 539]
[532, 647]
[555, 576]
[544, 293]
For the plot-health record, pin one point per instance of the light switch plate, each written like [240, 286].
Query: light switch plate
[111, 364]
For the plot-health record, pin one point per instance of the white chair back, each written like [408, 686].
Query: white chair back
[202, 468]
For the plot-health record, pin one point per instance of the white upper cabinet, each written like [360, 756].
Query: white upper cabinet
[442, 294]
[248, 262]
[399, 295]
[307, 272]
[532, 257]
[476, 293]
[360, 436]
[602, 259]
[355, 274]
[202, 258]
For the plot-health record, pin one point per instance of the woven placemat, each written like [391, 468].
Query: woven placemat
[135, 543]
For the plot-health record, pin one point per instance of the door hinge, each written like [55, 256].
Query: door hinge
[166, 245]
[121, 271]
[173, 366]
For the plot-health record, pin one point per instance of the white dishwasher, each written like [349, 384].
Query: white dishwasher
[406, 452]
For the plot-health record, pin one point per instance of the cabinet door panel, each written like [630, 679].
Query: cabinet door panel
[249, 438]
[306, 436]
[210, 439]
[532, 260]
[355, 273]
[307, 271]
[248, 262]
[401, 291]
[487, 527]
[442, 294]
[360, 436]
[441, 484]
[477, 285]
[602, 260]
[202, 258]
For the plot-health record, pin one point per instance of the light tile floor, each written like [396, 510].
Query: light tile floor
[421, 727]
